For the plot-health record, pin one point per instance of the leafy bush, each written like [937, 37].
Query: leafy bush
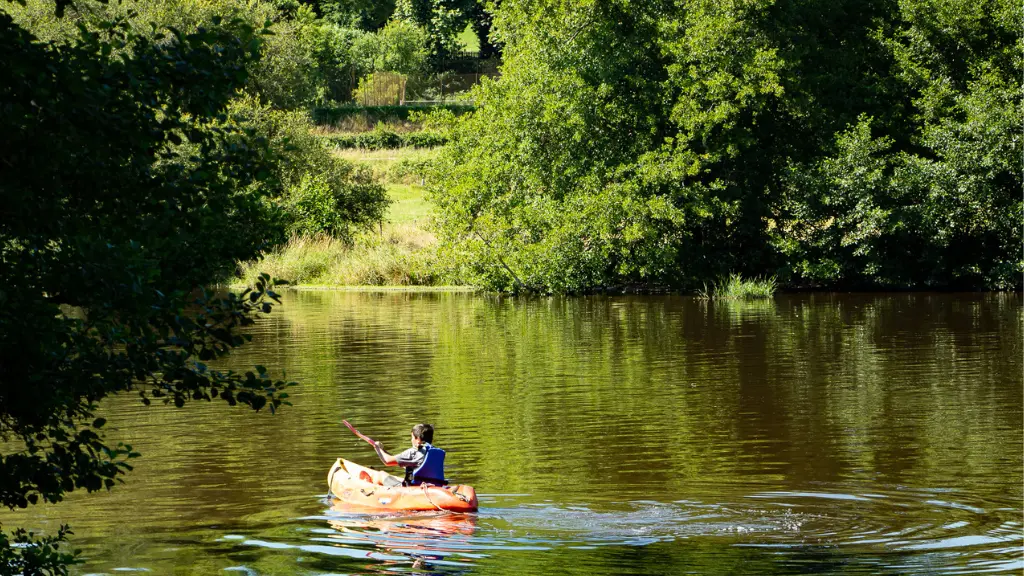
[335, 62]
[383, 138]
[283, 77]
[304, 60]
[307, 61]
[319, 192]
[327, 115]
[399, 47]
[410, 170]
[442, 119]
[423, 139]
[314, 207]
[867, 145]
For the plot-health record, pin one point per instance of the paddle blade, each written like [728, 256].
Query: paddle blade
[358, 433]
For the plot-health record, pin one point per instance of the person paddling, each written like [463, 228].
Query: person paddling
[423, 463]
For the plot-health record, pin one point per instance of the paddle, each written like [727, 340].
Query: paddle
[369, 440]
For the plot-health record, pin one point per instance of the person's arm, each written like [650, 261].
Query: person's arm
[386, 458]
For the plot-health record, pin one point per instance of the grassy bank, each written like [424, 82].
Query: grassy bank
[395, 255]
[398, 252]
[399, 169]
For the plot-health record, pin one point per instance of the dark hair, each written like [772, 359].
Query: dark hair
[424, 432]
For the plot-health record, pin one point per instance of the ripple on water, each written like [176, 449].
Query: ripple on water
[802, 528]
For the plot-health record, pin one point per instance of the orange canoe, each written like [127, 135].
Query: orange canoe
[362, 487]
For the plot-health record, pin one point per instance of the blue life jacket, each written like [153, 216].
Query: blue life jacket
[431, 470]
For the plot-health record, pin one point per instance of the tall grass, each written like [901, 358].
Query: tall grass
[398, 255]
[735, 287]
[399, 166]
[359, 123]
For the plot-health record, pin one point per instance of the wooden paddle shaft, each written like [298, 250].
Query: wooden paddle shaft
[360, 434]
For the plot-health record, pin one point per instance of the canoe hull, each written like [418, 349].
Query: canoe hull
[364, 488]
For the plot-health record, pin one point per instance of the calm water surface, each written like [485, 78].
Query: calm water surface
[846, 434]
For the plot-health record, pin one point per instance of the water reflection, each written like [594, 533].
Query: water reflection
[852, 434]
[425, 539]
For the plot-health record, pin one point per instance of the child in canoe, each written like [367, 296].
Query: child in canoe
[423, 463]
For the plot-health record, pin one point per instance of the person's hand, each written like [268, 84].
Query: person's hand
[380, 452]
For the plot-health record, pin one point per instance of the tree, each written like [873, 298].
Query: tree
[318, 192]
[481, 19]
[125, 190]
[541, 188]
[368, 15]
[305, 60]
[443, 21]
[400, 46]
[858, 144]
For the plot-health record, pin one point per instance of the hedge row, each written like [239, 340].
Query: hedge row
[386, 140]
[332, 114]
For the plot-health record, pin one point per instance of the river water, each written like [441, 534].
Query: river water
[845, 434]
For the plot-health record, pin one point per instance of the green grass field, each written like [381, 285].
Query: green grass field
[398, 252]
[469, 40]
[409, 204]
[397, 168]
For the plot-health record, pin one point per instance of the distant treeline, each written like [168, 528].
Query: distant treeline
[312, 53]
[831, 143]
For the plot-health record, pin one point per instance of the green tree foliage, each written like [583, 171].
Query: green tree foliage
[305, 60]
[368, 15]
[443, 21]
[537, 191]
[849, 143]
[400, 46]
[316, 191]
[335, 63]
[481, 19]
[125, 190]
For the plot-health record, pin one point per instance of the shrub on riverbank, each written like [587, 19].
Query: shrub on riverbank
[736, 287]
[318, 193]
[397, 255]
[870, 145]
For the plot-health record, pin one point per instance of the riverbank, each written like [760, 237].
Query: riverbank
[398, 253]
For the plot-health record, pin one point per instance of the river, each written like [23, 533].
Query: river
[830, 433]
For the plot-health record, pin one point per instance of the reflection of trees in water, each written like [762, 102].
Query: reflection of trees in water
[675, 390]
[805, 386]
[594, 399]
[658, 394]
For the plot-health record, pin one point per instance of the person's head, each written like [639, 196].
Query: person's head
[422, 433]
